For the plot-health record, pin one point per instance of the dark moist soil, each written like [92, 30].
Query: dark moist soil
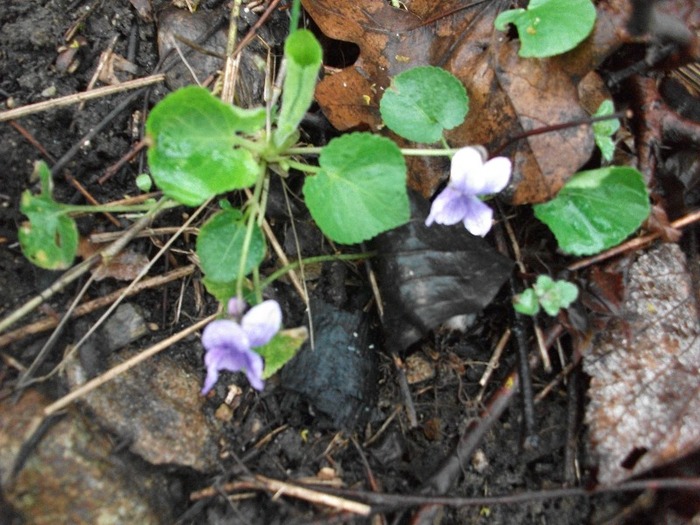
[304, 441]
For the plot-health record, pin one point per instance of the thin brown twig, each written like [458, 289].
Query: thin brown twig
[254, 29]
[282, 488]
[493, 363]
[401, 501]
[32, 140]
[104, 58]
[49, 322]
[76, 98]
[123, 367]
[127, 157]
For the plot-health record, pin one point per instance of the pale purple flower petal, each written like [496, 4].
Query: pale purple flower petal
[448, 208]
[254, 370]
[498, 170]
[470, 177]
[236, 307]
[465, 170]
[262, 322]
[229, 345]
[226, 346]
[224, 333]
[478, 218]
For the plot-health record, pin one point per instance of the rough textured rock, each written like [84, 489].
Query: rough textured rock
[157, 408]
[70, 475]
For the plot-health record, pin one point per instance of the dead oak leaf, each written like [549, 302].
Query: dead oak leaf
[644, 408]
[508, 95]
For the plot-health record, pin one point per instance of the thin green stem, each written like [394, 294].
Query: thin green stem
[432, 152]
[250, 145]
[256, 284]
[254, 211]
[310, 260]
[304, 150]
[301, 166]
[427, 152]
[263, 200]
[294, 18]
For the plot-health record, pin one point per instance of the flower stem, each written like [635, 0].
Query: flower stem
[255, 211]
[429, 152]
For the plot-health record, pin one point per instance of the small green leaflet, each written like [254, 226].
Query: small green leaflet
[50, 238]
[192, 155]
[550, 27]
[596, 209]
[423, 102]
[360, 190]
[220, 246]
[527, 302]
[605, 129]
[281, 349]
[551, 295]
[304, 56]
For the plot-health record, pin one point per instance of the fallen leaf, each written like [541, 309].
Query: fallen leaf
[644, 408]
[427, 275]
[508, 95]
[125, 266]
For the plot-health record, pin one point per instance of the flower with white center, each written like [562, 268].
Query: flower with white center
[229, 344]
[470, 177]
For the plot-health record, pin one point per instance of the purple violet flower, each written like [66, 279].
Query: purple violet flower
[229, 344]
[470, 177]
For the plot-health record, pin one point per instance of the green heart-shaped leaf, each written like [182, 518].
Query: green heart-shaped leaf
[360, 190]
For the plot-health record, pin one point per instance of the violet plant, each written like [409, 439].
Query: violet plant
[201, 148]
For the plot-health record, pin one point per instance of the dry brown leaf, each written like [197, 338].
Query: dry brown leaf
[644, 408]
[508, 95]
[125, 266]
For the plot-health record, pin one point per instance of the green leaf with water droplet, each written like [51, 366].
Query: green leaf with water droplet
[550, 27]
[596, 209]
[423, 102]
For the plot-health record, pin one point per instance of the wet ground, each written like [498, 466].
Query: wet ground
[146, 447]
